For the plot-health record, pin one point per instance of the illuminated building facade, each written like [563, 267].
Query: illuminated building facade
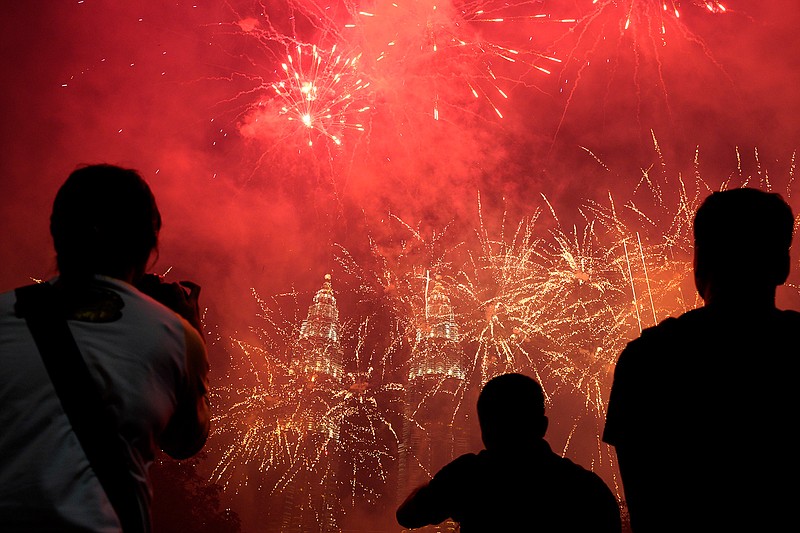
[310, 502]
[319, 340]
[434, 428]
[436, 350]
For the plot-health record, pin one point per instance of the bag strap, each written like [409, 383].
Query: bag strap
[81, 400]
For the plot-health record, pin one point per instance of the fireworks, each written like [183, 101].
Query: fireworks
[293, 419]
[263, 428]
[556, 301]
[445, 49]
[655, 11]
[407, 54]
[339, 413]
[648, 40]
[328, 74]
[320, 92]
[337, 406]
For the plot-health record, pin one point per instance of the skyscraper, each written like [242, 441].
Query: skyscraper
[310, 499]
[434, 427]
[319, 340]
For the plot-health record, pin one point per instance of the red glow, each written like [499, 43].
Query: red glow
[509, 147]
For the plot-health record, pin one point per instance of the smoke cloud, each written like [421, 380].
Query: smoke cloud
[189, 94]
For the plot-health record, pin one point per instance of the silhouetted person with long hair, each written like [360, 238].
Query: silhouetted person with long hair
[147, 362]
[703, 406]
[517, 483]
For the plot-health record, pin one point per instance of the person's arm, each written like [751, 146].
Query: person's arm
[420, 509]
[188, 429]
[646, 486]
[440, 498]
[635, 429]
[183, 297]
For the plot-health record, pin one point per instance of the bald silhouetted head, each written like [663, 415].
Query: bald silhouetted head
[741, 242]
[104, 221]
[511, 411]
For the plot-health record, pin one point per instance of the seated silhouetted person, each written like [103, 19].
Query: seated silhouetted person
[703, 407]
[517, 483]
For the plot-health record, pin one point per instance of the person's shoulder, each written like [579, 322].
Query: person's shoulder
[669, 330]
[785, 327]
[458, 471]
[574, 468]
[645, 354]
[467, 461]
[577, 476]
[789, 315]
[136, 299]
[676, 324]
[7, 300]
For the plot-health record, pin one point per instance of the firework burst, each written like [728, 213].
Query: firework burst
[647, 38]
[296, 420]
[555, 301]
[446, 50]
[321, 94]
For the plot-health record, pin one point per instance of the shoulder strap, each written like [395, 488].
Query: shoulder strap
[81, 399]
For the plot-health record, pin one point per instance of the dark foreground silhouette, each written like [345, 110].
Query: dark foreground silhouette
[517, 483]
[702, 407]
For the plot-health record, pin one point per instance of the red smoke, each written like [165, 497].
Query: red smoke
[175, 91]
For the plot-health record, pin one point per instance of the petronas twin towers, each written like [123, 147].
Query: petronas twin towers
[433, 428]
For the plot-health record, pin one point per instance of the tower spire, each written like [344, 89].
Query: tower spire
[319, 334]
[436, 351]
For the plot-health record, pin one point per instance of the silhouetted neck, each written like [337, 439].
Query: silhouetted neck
[129, 276]
[744, 301]
[517, 447]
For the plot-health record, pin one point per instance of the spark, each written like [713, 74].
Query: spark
[293, 427]
[614, 33]
[446, 49]
[551, 299]
[312, 89]
[320, 90]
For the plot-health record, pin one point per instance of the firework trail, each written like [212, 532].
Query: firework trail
[612, 29]
[263, 427]
[321, 75]
[556, 301]
[318, 93]
[501, 287]
[446, 50]
[297, 420]
[400, 271]
[321, 96]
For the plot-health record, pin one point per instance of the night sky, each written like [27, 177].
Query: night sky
[185, 92]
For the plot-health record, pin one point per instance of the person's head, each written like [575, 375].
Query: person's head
[511, 411]
[104, 221]
[741, 242]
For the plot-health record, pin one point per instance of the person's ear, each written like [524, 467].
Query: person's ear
[700, 274]
[543, 425]
[782, 270]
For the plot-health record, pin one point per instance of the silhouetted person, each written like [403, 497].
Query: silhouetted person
[703, 407]
[149, 362]
[517, 483]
